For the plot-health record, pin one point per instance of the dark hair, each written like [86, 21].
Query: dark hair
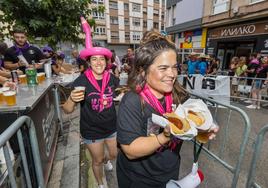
[254, 54]
[151, 46]
[19, 29]
[3, 48]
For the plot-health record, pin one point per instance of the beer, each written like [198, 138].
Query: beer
[10, 97]
[14, 76]
[41, 77]
[1, 97]
[22, 79]
[202, 137]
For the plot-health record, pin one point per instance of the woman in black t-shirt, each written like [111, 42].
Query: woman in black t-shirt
[148, 156]
[94, 90]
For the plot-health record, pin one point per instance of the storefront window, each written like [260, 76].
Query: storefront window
[220, 6]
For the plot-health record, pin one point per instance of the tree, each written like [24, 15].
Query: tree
[52, 20]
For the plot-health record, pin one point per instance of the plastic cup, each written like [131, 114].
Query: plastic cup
[202, 137]
[80, 88]
[41, 77]
[23, 79]
[10, 98]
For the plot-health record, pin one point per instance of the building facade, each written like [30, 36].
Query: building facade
[184, 23]
[235, 28]
[124, 22]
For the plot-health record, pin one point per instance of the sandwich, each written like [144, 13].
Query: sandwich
[177, 124]
[196, 117]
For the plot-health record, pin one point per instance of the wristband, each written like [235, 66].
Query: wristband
[158, 140]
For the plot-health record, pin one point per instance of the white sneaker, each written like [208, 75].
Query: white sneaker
[252, 106]
[108, 166]
[100, 186]
[248, 101]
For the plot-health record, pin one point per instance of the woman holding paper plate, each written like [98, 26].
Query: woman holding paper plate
[94, 90]
[148, 155]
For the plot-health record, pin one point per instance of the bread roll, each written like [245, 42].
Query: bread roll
[196, 117]
[178, 125]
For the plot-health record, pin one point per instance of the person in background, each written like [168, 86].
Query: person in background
[148, 157]
[112, 66]
[253, 65]
[82, 64]
[128, 61]
[48, 52]
[202, 64]
[214, 66]
[21, 47]
[4, 72]
[241, 67]
[262, 72]
[231, 72]
[115, 59]
[57, 66]
[192, 63]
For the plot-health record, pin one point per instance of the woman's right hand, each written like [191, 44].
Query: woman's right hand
[77, 95]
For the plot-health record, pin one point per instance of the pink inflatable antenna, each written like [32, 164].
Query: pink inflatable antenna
[87, 31]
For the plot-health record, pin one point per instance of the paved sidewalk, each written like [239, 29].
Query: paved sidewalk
[65, 172]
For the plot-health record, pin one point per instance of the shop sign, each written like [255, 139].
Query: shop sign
[239, 30]
[236, 31]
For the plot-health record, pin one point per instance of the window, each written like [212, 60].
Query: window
[136, 37]
[173, 21]
[100, 31]
[97, 15]
[156, 1]
[126, 6]
[156, 12]
[255, 1]
[144, 24]
[156, 25]
[127, 36]
[126, 21]
[114, 35]
[162, 27]
[113, 20]
[113, 4]
[136, 7]
[145, 10]
[98, 1]
[220, 6]
[136, 22]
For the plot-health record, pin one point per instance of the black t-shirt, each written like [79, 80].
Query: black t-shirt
[133, 121]
[31, 54]
[94, 124]
[80, 62]
[253, 66]
[262, 72]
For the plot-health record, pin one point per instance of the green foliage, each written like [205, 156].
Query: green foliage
[52, 20]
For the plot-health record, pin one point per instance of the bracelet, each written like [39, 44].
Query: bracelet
[166, 134]
[158, 140]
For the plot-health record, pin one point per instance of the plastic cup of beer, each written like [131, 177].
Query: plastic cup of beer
[10, 98]
[23, 79]
[202, 137]
[41, 76]
[1, 97]
[80, 88]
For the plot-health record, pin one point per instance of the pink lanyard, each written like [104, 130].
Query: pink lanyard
[93, 81]
[149, 97]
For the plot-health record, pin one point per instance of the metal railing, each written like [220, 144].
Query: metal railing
[234, 169]
[256, 155]
[15, 128]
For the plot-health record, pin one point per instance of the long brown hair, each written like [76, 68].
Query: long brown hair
[151, 46]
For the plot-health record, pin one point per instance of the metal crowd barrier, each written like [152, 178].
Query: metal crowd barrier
[218, 107]
[15, 128]
[256, 155]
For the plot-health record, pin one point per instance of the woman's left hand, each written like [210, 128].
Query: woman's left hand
[213, 131]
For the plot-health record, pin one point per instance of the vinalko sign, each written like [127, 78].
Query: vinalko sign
[239, 30]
